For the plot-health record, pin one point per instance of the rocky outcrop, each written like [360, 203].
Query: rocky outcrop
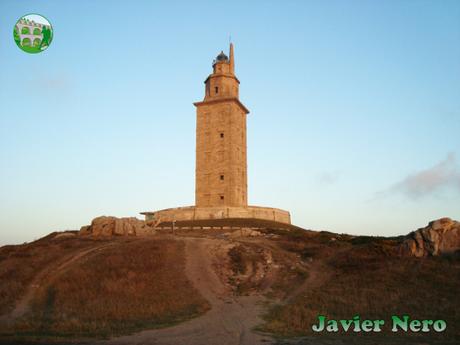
[439, 237]
[112, 226]
[243, 232]
[65, 234]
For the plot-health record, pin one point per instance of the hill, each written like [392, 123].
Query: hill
[225, 286]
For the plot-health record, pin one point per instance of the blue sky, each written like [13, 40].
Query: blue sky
[354, 124]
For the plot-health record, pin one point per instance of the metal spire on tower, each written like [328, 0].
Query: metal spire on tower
[232, 59]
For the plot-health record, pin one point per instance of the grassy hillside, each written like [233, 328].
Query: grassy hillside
[365, 276]
[125, 286]
[20, 263]
[78, 287]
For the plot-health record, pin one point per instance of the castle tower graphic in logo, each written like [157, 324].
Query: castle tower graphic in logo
[33, 33]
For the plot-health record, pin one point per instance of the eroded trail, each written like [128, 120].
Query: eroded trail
[230, 320]
[318, 274]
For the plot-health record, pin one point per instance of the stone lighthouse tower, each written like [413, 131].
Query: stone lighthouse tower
[221, 187]
[221, 167]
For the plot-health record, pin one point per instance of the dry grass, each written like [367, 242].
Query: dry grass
[140, 283]
[136, 285]
[233, 222]
[369, 279]
[20, 263]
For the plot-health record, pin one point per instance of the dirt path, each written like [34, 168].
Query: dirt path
[230, 320]
[44, 277]
[318, 274]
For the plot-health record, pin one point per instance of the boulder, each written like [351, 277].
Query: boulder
[112, 226]
[439, 237]
[85, 230]
[64, 234]
[243, 232]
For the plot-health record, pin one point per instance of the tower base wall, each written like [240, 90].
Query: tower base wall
[202, 213]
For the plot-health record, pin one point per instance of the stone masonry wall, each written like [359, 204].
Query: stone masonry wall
[197, 213]
[221, 173]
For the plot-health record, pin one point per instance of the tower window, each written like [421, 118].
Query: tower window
[221, 177]
[217, 90]
[221, 197]
[221, 135]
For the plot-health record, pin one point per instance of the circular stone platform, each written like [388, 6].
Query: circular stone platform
[224, 212]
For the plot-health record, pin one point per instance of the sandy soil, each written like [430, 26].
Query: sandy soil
[231, 319]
